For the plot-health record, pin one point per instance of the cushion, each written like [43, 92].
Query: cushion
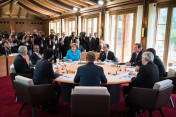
[162, 84]
[12, 69]
[24, 80]
[171, 72]
[90, 90]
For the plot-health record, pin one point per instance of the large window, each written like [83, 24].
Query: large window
[90, 25]
[55, 25]
[161, 31]
[122, 35]
[165, 35]
[72, 26]
[172, 43]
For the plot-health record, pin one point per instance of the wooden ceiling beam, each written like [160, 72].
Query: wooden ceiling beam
[62, 4]
[19, 12]
[0, 12]
[80, 2]
[43, 7]
[71, 3]
[4, 3]
[11, 9]
[51, 5]
[31, 10]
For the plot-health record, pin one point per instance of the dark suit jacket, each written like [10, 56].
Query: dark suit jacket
[65, 47]
[96, 42]
[148, 75]
[90, 44]
[138, 60]
[21, 66]
[81, 48]
[43, 72]
[98, 48]
[34, 58]
[111, 56]
[90, 75]
[83, 42]
[5, 52]
[160, 65]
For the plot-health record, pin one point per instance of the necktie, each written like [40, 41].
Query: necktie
[135, 57]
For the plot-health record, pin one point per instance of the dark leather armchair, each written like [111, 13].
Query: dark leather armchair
[34, 95]
[90, 105]
[174, 88]
[150, 99]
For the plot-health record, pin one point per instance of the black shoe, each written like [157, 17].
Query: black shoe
[51, 110]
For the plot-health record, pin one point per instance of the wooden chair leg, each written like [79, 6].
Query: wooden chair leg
[161, 112]
[33, 111]
[172, 103]
[16, 100]
[21, 108]
[150, 113]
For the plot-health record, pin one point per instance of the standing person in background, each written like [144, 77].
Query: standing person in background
[97, 40]
[58, 52]
[79, 46]
[72, 38]
[14, 42]
[64, 44]
[82, 40]
[90, 43]
[28, 43]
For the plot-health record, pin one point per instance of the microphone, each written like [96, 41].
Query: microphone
[102, 56]
[64, 67]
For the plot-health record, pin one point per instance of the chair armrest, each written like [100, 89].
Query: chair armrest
[42, 93]
[141, 97]
[174, 82]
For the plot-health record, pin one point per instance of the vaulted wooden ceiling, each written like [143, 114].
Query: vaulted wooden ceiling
[49, 8]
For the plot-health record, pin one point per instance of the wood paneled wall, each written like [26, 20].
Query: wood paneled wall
[21, 25]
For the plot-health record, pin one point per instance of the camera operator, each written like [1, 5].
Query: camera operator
[14, 42]
[20, 37]
[28, 43]
[35, 38]
[72, 38]
[82, 39]
[43, 42]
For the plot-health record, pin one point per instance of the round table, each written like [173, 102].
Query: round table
[115, 74]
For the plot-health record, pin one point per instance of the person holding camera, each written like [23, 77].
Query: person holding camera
[14, 42]
[28, 43]
[72, 38]
[82, 40]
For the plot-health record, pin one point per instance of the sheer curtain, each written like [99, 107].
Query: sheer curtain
[151, 24]
[63, 25]
[79, 24]
[106, 28]
[139, 23]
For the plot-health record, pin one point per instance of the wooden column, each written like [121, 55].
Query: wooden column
[102, 24]
[145, 23]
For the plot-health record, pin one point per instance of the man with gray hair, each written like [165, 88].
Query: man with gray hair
[147, 76]
[90, 74]
[20, 63]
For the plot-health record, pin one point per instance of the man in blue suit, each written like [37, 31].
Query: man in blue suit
[20, 63]
[90, 74]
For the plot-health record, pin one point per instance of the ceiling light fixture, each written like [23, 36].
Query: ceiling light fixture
[15, 1]
[75, 9]
[100, 2]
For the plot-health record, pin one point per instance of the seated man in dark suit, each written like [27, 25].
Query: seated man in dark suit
[90, 74]
[147, 76]
[80, 47]
[158, 62]
[44, 73]
[107, 55]
[36, 55]
[136, 56]
[5, 50]
[20, 63]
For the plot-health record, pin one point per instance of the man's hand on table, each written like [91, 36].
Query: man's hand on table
[128, 64]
